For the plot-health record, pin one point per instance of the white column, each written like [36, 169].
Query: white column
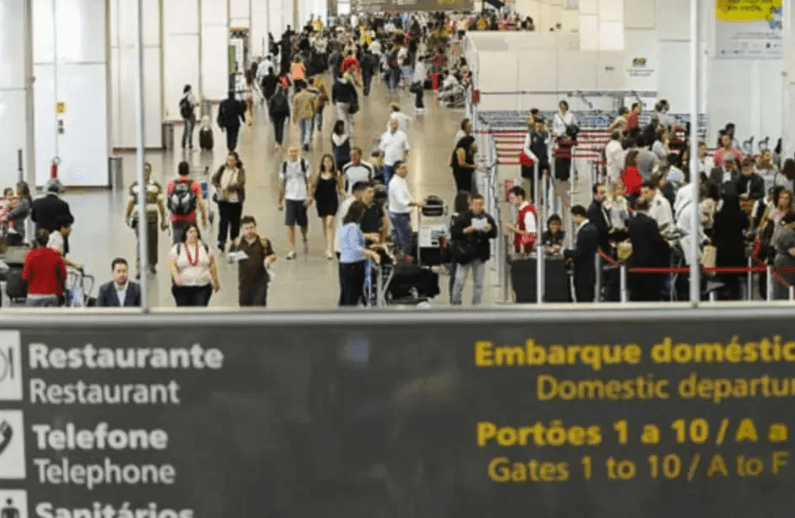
[123, 55]
[12, 89]
[70, 67]
[215, 51]
[180, 52]
[788, 93]
[259, 28]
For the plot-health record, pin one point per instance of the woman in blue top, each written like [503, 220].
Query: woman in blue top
[352, 256]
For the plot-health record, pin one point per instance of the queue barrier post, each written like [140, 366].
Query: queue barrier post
[623, 281]
[750, 291]
[598, 291]
[769, 283]
[791, 291]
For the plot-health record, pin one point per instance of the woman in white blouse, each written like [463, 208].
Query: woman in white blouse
[230, 185]
[193, 270]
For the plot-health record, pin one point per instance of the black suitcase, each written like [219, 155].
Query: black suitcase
[206, 139]
[16, 288]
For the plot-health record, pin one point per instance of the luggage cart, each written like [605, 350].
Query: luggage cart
[203, 172]
[78, 288]
[431, 235]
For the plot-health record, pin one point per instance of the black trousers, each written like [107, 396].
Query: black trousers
[351, 283]
[231, 137]
[192, 295]
[228, 220]
[253, 293]
[463, 180]
[278, 128]
[151, 242]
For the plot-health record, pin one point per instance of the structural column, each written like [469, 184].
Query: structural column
[15, 117]
[788, 78]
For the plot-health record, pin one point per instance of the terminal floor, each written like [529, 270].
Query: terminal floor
[310, 281]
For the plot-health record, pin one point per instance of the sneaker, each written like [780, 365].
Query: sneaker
[290, 255]
[221, 247]
[306, 147]
[152, 270]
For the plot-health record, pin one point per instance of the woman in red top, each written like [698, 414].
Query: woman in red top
[45, 273]
[631, 176]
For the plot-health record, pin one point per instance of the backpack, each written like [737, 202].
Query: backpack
[280, 105]
[185, 108]
[182, 200]
[303, 167]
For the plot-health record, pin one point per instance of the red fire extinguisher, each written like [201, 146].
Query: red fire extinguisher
[54, 167]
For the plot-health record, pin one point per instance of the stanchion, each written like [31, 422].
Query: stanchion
[769, 283]
[750, 291]
[791, 294]
[624, 294]
[540, 284]
[598, 291]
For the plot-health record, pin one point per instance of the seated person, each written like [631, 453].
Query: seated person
[120, 291]
[553, 237]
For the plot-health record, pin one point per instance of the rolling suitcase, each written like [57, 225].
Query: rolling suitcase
[206, 139]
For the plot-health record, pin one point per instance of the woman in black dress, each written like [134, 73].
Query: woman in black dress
[327, 187]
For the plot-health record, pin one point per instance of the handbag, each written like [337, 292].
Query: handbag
[353, 108]
[463, 251]
[416, 87]
[709, 257]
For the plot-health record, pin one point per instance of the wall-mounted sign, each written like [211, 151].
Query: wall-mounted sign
[60, 108]
[748, 29]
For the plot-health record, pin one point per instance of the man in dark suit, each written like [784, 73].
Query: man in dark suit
[230, 114]
[649, 250]
[121, 291]
[598, 216]
[584, 254]
[726, 176]
[50, 211]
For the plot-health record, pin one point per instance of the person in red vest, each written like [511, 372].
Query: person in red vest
[525, 232]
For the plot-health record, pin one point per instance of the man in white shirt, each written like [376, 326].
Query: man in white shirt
[357, 171]
[395, 146]
[58, 238]
[614, 154]
[296, 193]
[399, 205]
[402, 118]
[659, 206]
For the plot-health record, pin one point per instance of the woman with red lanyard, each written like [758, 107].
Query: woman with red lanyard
[193, 270]
[526, 230]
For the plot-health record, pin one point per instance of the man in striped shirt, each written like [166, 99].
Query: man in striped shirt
[154, 205]
[357, 171]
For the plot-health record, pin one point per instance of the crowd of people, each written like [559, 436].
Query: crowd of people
[641, 213]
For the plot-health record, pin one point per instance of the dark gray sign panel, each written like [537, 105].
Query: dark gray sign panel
[401, 6]
[635, 417]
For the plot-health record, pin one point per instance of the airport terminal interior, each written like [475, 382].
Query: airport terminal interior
[605, 86]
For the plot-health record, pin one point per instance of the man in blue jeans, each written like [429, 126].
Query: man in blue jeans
[399, 204]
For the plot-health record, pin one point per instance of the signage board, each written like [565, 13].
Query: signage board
[638, 415]
[748, 29]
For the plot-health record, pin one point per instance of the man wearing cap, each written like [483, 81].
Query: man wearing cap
[50, 211]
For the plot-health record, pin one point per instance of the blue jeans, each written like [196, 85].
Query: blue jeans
[389, 170]
[306, 124]
[319, 118]
[401, 230]
[187, 135]
[43, 302]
